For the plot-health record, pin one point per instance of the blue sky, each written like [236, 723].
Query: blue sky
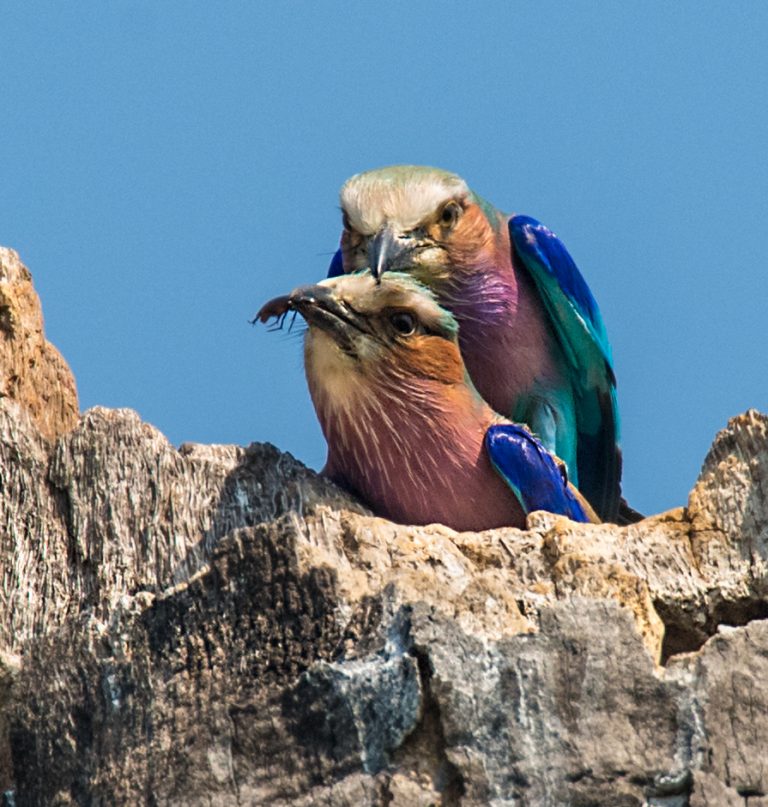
[167, 167]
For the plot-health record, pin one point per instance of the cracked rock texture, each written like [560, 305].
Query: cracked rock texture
[216, 625]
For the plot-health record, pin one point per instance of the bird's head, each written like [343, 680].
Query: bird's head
[366, 334]
[413, 218]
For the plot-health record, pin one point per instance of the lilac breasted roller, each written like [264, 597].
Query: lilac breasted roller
[406, 429]
[530, 331]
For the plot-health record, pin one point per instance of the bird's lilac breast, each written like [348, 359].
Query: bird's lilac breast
[419, 467]
[505, 336]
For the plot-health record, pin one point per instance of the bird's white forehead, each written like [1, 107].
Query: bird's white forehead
[401, 195]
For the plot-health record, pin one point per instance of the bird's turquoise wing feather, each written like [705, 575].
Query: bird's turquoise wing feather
[580, 330]
[531, 472]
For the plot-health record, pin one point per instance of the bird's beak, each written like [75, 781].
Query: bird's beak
[320, 307]
[384, 249]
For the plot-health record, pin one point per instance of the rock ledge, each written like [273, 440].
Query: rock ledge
[218, 625]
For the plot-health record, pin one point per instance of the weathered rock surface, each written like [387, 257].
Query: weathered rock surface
[218, 625]
[32, 371]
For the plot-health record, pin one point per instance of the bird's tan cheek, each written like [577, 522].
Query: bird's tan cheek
[322, 356]
[334, 378]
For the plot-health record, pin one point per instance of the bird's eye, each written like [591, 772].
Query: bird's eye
[403, 322]
[345, 220]
[449, 215]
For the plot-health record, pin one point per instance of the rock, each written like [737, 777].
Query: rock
[32, 371]
[219, 625]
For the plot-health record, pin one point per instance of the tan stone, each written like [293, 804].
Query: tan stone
[32, 371]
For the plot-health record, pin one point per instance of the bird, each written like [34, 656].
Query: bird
[530, 330]
[407, 432]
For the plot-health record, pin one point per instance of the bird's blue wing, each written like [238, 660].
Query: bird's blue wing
[337, 265]
[530, 470]
[564, 290]
[579, 326]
